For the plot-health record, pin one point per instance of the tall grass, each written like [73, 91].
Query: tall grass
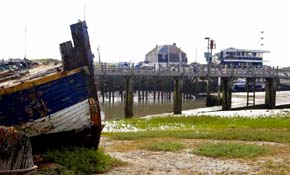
[81, 160]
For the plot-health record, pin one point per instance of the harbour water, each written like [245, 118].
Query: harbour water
[114, 109]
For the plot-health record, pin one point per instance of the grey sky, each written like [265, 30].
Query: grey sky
[127, 29]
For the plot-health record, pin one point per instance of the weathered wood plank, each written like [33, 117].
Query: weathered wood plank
[15, 150]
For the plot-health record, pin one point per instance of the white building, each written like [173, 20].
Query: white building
[240, 57]
[166, 54]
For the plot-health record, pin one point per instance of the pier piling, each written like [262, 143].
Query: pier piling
[177, 97]
[129, 97]
[227, 93]
[270, 96]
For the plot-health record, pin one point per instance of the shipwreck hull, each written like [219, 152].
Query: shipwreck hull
[57, 106]
[54, 103]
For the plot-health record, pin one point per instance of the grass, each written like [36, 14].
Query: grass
[272, 167]
[271, 135]
[273, 129]
[208, 122]
[79, 161]
[164, 146]
[230, 150]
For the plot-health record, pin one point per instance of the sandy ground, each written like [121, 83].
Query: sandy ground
[139, 161]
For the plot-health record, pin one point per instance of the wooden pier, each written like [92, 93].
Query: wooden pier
[176, 76]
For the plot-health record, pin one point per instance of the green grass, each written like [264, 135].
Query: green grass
[245, 134]
[275, 128]
[231, 150]
[80, 161]
[164, 146]
[207, 122]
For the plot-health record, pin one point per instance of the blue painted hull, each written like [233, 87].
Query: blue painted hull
[43, 100]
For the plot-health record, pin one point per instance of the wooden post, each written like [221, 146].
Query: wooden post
[139, 89]
[170, 88]
[113, 90]
[110, 88]
[219, 90]
[103, 88]
[154, 90]
[82, 51]
[270, 96]
[158, 89]
[128, 97]
[146, 92]
[162, 89]
[227, 93]
[177, 97]
[143, 89]
[121, 94]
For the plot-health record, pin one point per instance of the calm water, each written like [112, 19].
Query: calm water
[115, 110]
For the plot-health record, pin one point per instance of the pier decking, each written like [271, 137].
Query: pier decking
[197, 71]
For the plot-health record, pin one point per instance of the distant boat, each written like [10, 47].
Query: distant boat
[53, 98]
[240, 85]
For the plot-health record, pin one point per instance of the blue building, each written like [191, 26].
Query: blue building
[241, 57]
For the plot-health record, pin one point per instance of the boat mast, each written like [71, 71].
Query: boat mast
[85, 6]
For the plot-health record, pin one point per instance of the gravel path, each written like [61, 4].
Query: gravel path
[169, 163]
[139, 162]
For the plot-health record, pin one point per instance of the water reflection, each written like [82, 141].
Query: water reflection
[115, 109]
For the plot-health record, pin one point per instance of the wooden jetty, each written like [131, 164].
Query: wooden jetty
[180, 73]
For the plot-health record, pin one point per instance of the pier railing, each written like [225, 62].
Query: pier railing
[193, 71]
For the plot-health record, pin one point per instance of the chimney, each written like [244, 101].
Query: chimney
[174, 44]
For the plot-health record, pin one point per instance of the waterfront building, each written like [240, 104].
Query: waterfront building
[240, 57]
[166, 54]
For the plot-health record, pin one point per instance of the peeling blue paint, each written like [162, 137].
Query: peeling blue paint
[34, 103]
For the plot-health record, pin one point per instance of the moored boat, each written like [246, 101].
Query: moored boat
[240, 85]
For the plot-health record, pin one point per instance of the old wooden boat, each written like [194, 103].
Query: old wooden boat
[52, 99]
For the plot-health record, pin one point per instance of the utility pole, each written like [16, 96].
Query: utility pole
[210, 47]
[207, 54]
[207, 66]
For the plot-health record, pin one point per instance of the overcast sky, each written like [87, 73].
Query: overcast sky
[126, 30]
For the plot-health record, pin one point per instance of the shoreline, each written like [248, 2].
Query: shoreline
[238, 100]
[215, 111]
